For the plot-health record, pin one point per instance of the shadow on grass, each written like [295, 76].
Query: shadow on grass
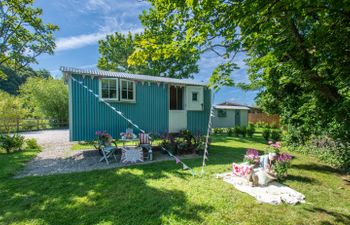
[112, 196]
[338, 217]
[317, 168]
[10, 163]
[302, 179]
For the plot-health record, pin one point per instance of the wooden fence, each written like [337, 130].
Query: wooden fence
[263, 117]
[30, 124]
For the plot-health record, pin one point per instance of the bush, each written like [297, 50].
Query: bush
[266, 134]
[32, 144]
[230, 131]
[250, 130]
[295, 136]
[11, 143]
[275, 125]
[218, 130]
[244, 131]
[236, 131]
[333, 152]
[276, 135]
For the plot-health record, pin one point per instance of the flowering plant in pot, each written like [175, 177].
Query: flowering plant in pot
[282, 165]
[252, 156]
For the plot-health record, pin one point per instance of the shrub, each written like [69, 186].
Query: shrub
[276, 135]
[266, 134]
[32, 144]
[244, 131]
[275, 125]
[11, 143]
[333, 152]
[236, 131]
[218, 130]
[295, 136]
[230, 131]
[250, 130]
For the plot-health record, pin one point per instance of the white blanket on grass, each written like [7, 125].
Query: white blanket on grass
[275, 193]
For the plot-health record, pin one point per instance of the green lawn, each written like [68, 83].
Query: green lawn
[161, 193]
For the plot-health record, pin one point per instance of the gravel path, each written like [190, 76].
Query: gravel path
[57, 156]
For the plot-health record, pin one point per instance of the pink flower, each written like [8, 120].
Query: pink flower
[284, 157]
[98, 133]
[270, 142]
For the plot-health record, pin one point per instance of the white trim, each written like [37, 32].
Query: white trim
[121, 89]
[117, 89]
[230, 107]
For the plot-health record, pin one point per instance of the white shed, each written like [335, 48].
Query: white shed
[228, 115]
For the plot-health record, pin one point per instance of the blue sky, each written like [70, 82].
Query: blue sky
[83, 22]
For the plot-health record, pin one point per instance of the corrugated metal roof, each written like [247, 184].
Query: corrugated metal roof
[102, 73]
[230, 107]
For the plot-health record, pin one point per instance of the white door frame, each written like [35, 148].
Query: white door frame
[177, 118]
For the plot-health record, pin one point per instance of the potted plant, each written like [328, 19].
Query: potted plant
[282, 165]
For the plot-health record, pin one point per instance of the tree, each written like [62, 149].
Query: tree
[15, 79]
[117, 48]
[23, 35]
[11, 109]
[45, 98]
[298, 52]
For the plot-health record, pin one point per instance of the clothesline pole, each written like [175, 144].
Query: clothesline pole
[205, 152]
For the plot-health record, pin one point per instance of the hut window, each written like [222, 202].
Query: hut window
[222, 113]
[127, 90]
[109, 89]
[176, 98]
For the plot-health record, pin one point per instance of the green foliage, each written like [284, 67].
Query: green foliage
[46, 97]
[333, 152]
[276, 135]
[230, 131]
[11, 110]
[14, 79]
[244, 131]
[11, 142]
[250, 130]
[219, 130]
[117, 48]
[32, 144]
[23, 35]
[266, 133]
[297, 59]
[236, 131]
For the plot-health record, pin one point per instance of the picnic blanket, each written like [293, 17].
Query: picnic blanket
[275, 193]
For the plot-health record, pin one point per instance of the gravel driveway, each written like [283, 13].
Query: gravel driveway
[57, 156]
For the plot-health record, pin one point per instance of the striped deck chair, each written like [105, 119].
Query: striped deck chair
[146, 143]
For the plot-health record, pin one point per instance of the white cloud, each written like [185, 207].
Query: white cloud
[83, 40]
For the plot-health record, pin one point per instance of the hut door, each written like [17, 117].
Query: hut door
[237, 117]
[177, 112]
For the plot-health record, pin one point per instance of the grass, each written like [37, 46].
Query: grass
[162, 193]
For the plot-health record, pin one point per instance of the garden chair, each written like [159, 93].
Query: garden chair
[146, 143]
[108, 151]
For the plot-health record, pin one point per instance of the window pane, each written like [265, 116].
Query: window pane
[112, 84]
[194, 96]
[104, 84]
[180, 98]
[124, 94]
[130, 86]
[130, 95]
[172, 98]
[112, 93]
[105, 93]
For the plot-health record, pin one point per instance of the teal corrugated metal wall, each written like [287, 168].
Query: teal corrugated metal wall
[197, 121]
[150, 111]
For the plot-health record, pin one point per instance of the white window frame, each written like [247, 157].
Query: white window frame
[117, 89]
[121, 89]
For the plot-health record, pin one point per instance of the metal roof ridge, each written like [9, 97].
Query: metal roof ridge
[98, 72]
